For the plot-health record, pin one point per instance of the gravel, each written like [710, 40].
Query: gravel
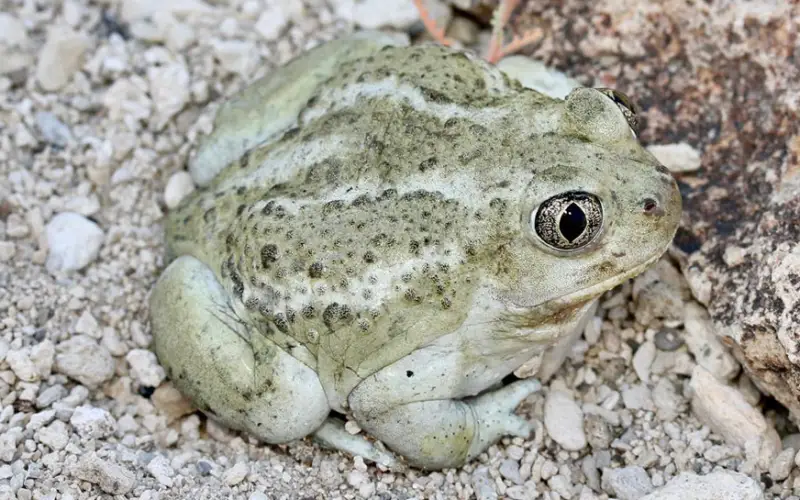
[99, 112]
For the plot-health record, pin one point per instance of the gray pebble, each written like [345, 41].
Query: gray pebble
[203, 467]
[111, 477]
[668, 340]
[627, 483]
[509, 469]
[598, 432]
[50, 396]
[82, 359]
[53, 130]
[483, 484]
[782, 465]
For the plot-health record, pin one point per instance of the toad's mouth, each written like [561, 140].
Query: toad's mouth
[556, 308]
[598, 289]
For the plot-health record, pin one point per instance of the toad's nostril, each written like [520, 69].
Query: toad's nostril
[651, 207]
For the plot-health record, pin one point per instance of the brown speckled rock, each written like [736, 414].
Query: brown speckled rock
[723, 77]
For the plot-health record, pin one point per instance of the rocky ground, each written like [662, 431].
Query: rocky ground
[100, 105]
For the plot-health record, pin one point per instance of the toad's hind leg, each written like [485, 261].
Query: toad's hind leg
[234, 374]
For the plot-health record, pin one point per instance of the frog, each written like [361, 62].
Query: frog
[383, 232]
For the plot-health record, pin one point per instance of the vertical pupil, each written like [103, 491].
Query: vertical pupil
[572, 223]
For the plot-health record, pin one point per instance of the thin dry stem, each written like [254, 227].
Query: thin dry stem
[430, 24]
[500, 19]
[516, 44]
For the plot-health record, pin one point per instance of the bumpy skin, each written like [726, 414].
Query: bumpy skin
[364, 244]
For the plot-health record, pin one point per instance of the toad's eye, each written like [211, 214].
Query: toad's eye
[625, 105]
[568, 221]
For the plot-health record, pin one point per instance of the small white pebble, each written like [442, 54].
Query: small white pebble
[12, 30]
[356, 478]
[8, 443]
[42, 356]
[781, 466]
[549, 469]
[515, 452]
[509, 469]
[179, 186]
[53, 130]
[352, 427]
[563, 420]
[55, 435]
[145, 368]
[561, 485]
[73, 242]
[236, 474]
[92, 423]
[160, 469]
[272, 21]
[87, 324]
[483, 485]
[367, 490]
[39, 420]
[680, 157]
[169, 89]
[16, 227]
[22, 366]
[374, 14]
[7, 251]
[82, 359]
[627, 483]
[637, 397]
[643, 359]
[726, 412]
[61, 56]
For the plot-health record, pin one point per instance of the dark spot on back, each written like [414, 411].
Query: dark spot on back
[244, 161]
[428, 164]
[315, 270]
[269, 254]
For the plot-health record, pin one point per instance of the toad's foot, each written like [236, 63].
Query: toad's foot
[442, 433]
[333, 435]
[494, 413]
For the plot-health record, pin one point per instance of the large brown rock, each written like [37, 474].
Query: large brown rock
[724, 77]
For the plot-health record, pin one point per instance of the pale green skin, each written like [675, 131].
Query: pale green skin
[301, 285]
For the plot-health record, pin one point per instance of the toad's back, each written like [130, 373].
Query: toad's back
[373, 215]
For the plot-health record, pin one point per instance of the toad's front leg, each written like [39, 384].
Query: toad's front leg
[420, 421]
